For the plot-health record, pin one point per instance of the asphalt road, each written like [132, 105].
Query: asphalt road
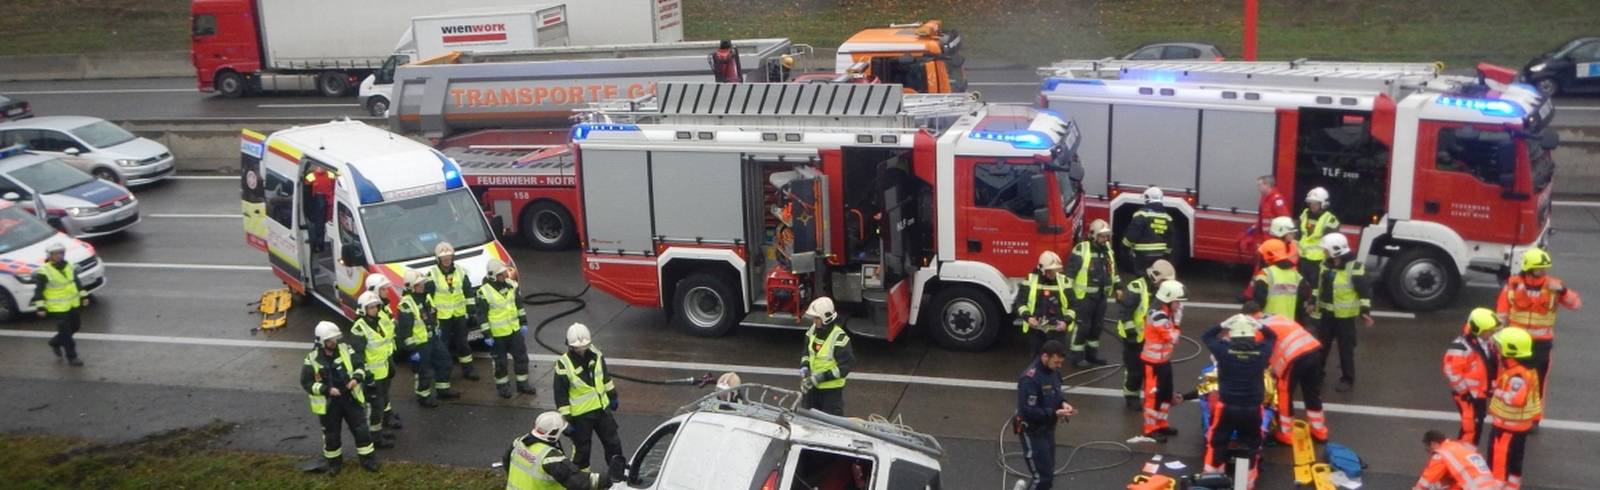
[169, 344]
[177, 98]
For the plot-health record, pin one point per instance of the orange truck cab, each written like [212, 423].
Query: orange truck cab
[922, 57]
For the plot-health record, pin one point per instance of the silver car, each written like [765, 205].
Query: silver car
[77, 203]
[93, 145]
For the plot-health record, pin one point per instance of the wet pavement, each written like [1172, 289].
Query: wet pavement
[169, 344]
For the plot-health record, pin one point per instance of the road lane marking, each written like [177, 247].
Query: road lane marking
[198, 267]
[204, 177]
[105, 91]
[1003, 84]
[1383, 412]
[1235, 307]
[1576, 204]
[303, 106]
[1578, 108]
[193, 216]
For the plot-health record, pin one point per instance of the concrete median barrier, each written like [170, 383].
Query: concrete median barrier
[136, 64]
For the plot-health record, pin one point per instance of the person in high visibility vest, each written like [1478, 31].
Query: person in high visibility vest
[1094, 268]
[1281, 231]
[417, 328]
[1277, 287]
[1295, 362]
[372, 334]
[453, 299]
[1342, 295]
[536, 461]
[1316, 221]
[1043, 305]
[505, 325]
[1242, 364]
[587, 396]
[1529, 302]
[828, 360]
[58, 295]
[1516, 406]
[1149, 236]
[1469, 367]
[332, 375]
[1134, 301]
[1454, 465]
[379, 284]
[1161, 332]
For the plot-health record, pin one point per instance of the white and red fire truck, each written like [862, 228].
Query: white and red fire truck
[731, 204]
[1436, 174]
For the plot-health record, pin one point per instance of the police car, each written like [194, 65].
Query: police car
[83, 205]
[754, 436]
[23, 240]
[1572, 68]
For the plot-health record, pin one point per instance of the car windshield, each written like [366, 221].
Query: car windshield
[405, 230]
[1568, 46]
[102, 134]
[50, 176]
[18, 229]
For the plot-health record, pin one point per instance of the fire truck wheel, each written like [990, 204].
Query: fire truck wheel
[705, 304]
[964, 318]
[1421, 279]
[546, 226]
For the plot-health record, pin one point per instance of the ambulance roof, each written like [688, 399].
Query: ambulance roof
[382, 165]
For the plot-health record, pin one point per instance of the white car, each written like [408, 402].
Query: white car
[93, 145]
[763, 442]
[23, 240]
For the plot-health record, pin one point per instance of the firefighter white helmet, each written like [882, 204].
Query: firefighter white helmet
[377, 282]
[1281, 226]
[1153, 194]
[1336, 244]
[443, 249]
[1049, 261]
[495, 267]
[1241, 326]
[327, 331]
[1171, 291]
[549, 426]
[1099, 227]
[1317, 195]
[1162, 270]
[414, 277]
[369, 299]
[728, 381]
[578, 336]
[822, 309]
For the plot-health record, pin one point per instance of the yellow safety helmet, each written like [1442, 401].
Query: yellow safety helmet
[1535, 258]
[1515, 343]
[1481, 320]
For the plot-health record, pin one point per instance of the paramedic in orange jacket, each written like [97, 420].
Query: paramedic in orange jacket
[1454, 465]
[1529, 302]
[1295, 362]
[1469, 365]
[1515, 406]
[1161, 333]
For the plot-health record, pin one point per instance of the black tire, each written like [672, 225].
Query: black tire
[1421, 279]
[1548, 86]
[333, 83]
[547, 226]
[377, 105]
[107, 175]
[964, 318]
[706, 304]
[229, 84]
[8, 308]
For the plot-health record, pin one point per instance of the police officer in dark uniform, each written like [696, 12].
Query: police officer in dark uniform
[1040, 405]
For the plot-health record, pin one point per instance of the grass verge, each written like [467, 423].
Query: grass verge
[184, 459]
[93, 26]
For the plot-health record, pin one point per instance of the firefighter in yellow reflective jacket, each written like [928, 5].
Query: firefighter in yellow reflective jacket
[417, 328]
[1043, 305]
[1093, 266]
[332, 375]
[536, 461]
[587, 396]
[1134, 301]
[372, 335]
[1316, 221]
[506, 324]
[1342, 296]
[453, 298]
[58, 295]
[828, 359]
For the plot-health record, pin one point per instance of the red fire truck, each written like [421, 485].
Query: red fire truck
[1436, 174]
[737, 204]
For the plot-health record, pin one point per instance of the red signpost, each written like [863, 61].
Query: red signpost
[1250, 29]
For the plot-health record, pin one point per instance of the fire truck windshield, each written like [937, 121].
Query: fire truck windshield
[404, 230]
[1541, 165]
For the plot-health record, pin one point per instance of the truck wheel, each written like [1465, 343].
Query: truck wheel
[229, 84]
[1548, 86]
[548, 227]
[705, 304]
[377, 106]
[332, 83]
[8, 307]
[964, 318]
[1421, 279]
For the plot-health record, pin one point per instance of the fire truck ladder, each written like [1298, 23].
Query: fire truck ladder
[1395, 79]
[784, 104]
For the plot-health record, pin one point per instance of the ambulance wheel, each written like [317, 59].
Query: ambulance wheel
[1421, 279]
[332, 83]
[705, 304]
[964, 318]
[8, 307]
[229, 84]
[548, 227]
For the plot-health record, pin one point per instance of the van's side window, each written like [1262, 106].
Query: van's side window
[280, 198]
[347, 225]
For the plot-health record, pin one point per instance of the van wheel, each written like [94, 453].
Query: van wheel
[229, 84]
[705, 305]
[1421, 279]
[548, 227]
[332, 83]
[964, 318]
[8, 307]
[377, 106]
